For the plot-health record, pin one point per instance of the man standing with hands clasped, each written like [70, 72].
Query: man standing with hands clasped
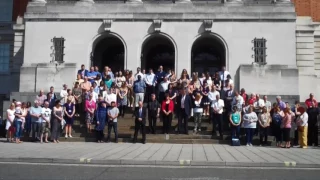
[140, 122]
[153, 113]
[113, 113]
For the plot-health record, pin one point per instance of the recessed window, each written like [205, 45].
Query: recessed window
[58, 46]
[260, 50]
[4, 58]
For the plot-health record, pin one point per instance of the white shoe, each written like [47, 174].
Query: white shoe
[66, 136]
[195, 130]
[70, 136]
[199, 130]
[250, 144]
[247, 145]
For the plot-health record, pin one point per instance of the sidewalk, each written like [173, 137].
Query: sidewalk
[159, 154]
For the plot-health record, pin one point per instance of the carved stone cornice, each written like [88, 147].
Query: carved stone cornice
[39, 1]
[157, 25]
[283, 1]
[207, 25]
[87, 1]
[107, 24]
[234, 1]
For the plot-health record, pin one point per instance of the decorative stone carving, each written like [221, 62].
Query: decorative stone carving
[157, 25]
[39, 1]
[107, 24]
[88, 1]
[134, 1]
[234, 1]
[207, 25]
[282, 1]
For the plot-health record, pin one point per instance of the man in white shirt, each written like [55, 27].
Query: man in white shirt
[150, 80]
[223, 74]
[138, 73]
[110, 97]
[213, 93]
[217, 109]
[45, 121]
[163, 87]
[258, 105]
[238, 101]
[267, 103]
[63, 94]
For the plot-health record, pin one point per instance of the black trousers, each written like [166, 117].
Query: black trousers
[122, 110]
[167, 120]
[139, 125]
[312, 135]
[183, 118]
[152, 122]
[99, 135]
[217, 120]
[161, 96]
[296, 138]
[264, 135]
[149, 90]
[113, 125]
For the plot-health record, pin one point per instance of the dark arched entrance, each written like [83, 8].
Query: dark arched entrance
[157, 50]
[208, 54]
[109, 51]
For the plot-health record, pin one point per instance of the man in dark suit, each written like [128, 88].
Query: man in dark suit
[83, 72]
[153, 113]
[184, 107]
[54, 97]
[140, 122]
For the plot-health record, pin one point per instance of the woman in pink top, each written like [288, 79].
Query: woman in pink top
[90, 108]
[286, 125]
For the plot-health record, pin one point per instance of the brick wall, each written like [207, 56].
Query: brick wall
[308, 8]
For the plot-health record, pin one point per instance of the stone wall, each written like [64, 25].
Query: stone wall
[35, 77]
[269, 79]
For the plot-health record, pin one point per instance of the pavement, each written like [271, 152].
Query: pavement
[159, 154]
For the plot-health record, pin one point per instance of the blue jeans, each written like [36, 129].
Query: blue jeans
[249, 135]
[113, 125]
[18, 129]
[235, 131]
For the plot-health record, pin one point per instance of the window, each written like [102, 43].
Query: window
[4, 58]
[58, 44]
[6, 7]
[260, 50]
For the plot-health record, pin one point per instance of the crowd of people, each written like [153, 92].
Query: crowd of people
[103, 97]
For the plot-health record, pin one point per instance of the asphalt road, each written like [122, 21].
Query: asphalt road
[15, 171]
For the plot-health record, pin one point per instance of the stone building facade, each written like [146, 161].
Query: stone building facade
[194, 35]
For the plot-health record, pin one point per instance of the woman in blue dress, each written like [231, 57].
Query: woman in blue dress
[69, 111]
[101, 116]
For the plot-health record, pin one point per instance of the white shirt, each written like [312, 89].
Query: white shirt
[111, 97]
[94, 96]
[212, 95]
[149, 79]
[63, 95]
[223, 75]
[239, 102]
[230, 81]
[136, 76]
[218, 104]
[182, 101]
[46, 112]
[164, 86]
[258, 103]
[11, 116]
[304, 119]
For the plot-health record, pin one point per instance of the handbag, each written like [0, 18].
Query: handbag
[301, 128]
[63, 123]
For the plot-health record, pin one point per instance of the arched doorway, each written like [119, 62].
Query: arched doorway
[109, 51]
[158, 50]
[208, 54]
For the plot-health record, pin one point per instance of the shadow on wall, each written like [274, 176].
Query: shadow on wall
[201, 29]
